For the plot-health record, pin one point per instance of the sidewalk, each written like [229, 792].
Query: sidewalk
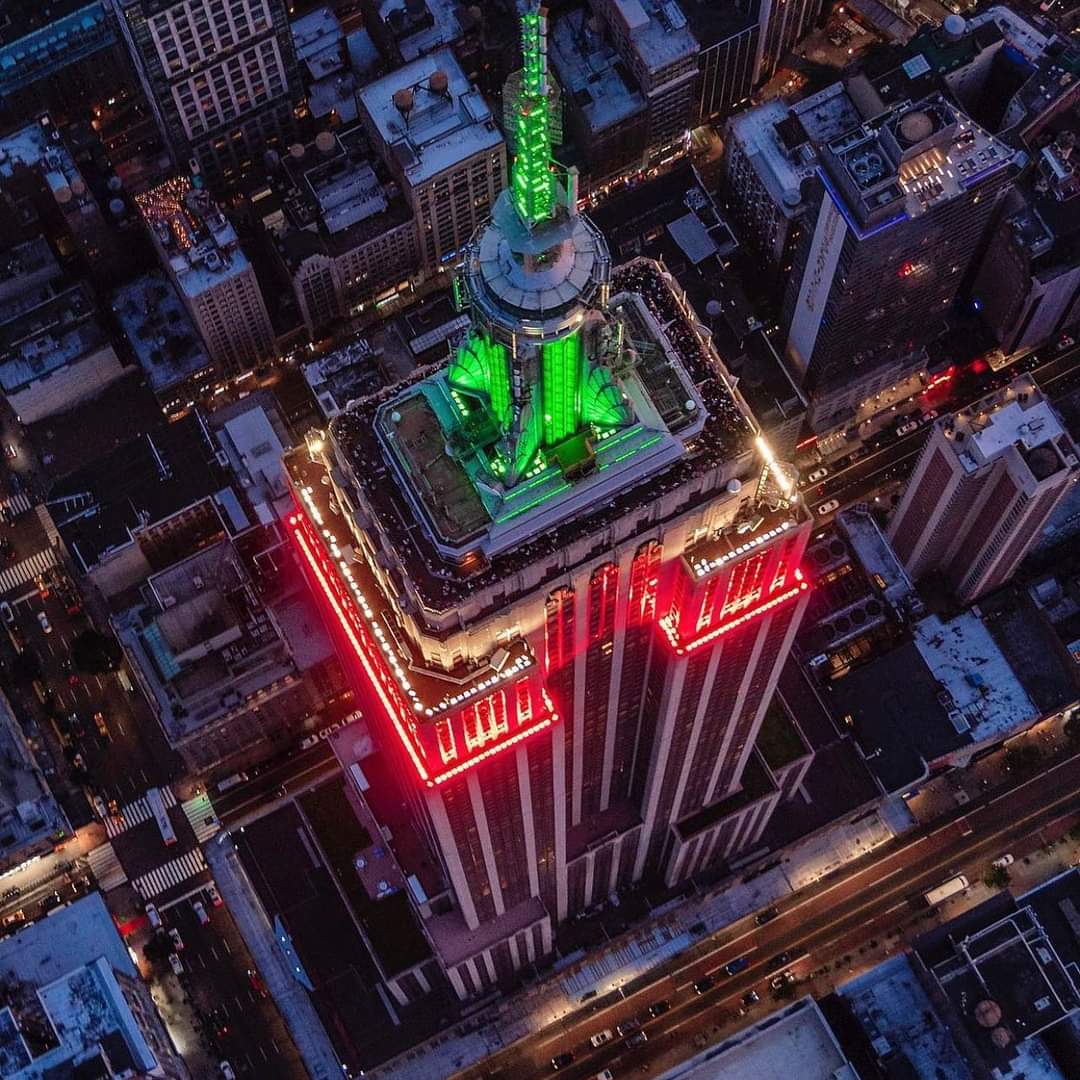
[291, 998]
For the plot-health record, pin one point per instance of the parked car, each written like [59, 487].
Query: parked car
[778, 961]
[751, 997]
[766, 916]
[560, 1061]
[741, 964]
[628, 1027]
[828, 507]
[639, 1038]
[602, 1037]
[213, 895]
[174, 963]
[907, 428]
[816, 475]
[658, 1008]
[704, 984]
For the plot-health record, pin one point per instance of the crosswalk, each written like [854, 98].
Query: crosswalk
[106, 868]
[200, 813]
[17, 504]
[174, 872]
[135, 813]
[27, 570]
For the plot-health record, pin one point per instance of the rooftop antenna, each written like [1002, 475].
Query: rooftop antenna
[532, 181]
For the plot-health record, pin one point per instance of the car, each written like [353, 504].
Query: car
[828, 507]
[14, 917]
[628, 1027]
[102, 727]
[604, 1074]
[227, 1071]
[816, 475]
[704, 984]
[1005, 860]
[1067, 342]
[213, 895]
[175, 964]
[778, 982]
[766, 916]
[100, 808]
[930, 417]
[658, 1008]
[43, 622]
[53, 900]
[778, 961]
[733, 968]
[200, 912]
[908, 428]
[256, 982]
[7, 613]
[560, 1061]
[10, 451]
[176, 939]
[78, 762]
[751, 997]
[602, 1037]
[639, 1038]
[153, 915]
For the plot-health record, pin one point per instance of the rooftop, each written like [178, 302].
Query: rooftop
[658, 29]
[30, 818]
[984, 695]
[876, 555]
[62, 998]
[159, 330]
[198, 243]
[38, 146]
[591, 73]
[674, 366]
[420, 30]
[1016, 423]
[253, 437]
[318, 37]
[55, 326]
[334, 197]
[344, 375]
[797, 1040]
[441, 129]
[712, 23]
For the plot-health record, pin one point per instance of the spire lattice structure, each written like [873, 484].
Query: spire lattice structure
[532, 180]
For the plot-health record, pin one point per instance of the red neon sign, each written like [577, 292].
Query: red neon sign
[351, 623]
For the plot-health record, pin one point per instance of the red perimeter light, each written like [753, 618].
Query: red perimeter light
[684, 647]
[351, 622]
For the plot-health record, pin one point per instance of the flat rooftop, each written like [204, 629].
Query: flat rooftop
[780, 169]
[591, 73]
[985, 696]
[437, 24]
[441, 129]
[876, 555]
[199, 242]
[160, 331]
[659, 31]
[797, 1041]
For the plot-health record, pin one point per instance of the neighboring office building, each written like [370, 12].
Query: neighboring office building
[565, 576]
[438, 137]
[1028, 288]
[60, 58]
[165, 342]
[341, 227]
[897, 212]
[604, 114]
[784, 23]
[32, 822]
[654, 40]
[75, 1005]
[728, 37]
[201, 253]
[986, 482]
[54, 352]
[221, 78]
[211, 659]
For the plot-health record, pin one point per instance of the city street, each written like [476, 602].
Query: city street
[822, 925]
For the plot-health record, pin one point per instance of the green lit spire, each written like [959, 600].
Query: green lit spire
[532, 181]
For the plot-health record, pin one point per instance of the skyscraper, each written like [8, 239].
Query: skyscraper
[985, 484]
[221, 78]
[899, 206]
[565, 571]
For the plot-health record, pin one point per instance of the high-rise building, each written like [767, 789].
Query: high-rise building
[985, 484]
[655, 43]
[438, 136]
[899, 207]
[222, 79]
[201, 253]
[783, 24]
[564, 571]
[728, 36]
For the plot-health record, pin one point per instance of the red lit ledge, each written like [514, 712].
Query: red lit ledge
[337, 598]
[684, 647]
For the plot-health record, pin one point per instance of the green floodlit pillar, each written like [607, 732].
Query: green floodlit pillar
[561, 369]
[532, 181]
[481, 367]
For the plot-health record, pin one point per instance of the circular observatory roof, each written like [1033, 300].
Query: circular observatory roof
[916, 126]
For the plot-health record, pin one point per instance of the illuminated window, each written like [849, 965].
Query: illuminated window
[447, 746]
[485, 721]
